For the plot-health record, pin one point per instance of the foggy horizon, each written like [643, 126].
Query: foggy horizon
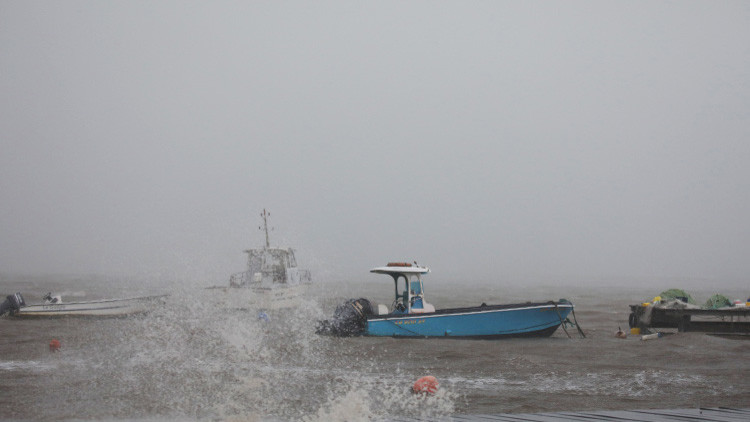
[527, 142]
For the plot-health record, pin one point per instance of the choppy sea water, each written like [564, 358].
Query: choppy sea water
[196, 358]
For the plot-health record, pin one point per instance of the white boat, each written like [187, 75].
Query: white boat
[53, 306]
[272, 277]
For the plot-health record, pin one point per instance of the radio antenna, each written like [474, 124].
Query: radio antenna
[265, 216]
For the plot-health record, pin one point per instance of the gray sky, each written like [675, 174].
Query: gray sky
[498, 139]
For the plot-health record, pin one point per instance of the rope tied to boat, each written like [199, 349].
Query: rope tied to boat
[559, 316]
[576, 323]
[562, 322]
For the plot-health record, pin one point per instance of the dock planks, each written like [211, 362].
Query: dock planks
[715, 414]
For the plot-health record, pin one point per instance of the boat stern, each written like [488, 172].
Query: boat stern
[12, 303]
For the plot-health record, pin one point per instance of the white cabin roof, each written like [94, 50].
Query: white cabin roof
[400, 270]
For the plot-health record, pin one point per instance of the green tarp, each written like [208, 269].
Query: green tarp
[714, 302]
[717, 301]
[674, 294]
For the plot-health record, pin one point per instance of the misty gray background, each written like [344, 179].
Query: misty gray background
[495, 140]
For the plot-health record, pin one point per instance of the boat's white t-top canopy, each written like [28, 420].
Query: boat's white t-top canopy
[412, 297]
[400, 268]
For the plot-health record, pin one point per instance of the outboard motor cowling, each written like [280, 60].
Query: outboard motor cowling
[349, 319]
[12, 303]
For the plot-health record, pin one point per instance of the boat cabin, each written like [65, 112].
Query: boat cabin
[409, 290]
[269, 266]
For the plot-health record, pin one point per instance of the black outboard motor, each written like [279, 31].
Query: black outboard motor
[12, 303]
[349, 319]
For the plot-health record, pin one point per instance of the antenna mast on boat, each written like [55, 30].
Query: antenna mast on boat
[265, 215]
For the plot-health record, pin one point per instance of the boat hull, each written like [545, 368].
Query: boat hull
[488, 322]
[258, 297]
[95, 308]
[274, 298]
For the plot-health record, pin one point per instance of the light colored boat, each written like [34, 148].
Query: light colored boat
[272, 277]
[53, 306]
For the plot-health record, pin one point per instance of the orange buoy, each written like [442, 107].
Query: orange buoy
[54, 345]
[427, 385]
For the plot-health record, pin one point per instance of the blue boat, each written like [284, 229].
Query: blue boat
[412, 316]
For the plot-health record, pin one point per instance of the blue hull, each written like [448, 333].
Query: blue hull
[498, 321]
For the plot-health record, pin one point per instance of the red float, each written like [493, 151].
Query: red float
[426, 385]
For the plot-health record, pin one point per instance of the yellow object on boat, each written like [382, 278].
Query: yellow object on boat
[635, 331]
[646, 304]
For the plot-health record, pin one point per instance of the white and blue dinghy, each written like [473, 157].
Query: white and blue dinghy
[412, 316]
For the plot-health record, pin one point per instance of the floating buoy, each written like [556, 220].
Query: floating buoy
[54, 345]
[620, 333]
[426, 385]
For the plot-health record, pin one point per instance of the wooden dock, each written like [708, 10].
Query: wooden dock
[716, 414]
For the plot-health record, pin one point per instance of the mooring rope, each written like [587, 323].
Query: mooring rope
[559, 316]
[576, 322]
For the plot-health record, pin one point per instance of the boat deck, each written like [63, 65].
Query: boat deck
[717, 414]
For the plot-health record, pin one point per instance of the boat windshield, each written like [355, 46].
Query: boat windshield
[416, 287]
[270, 263]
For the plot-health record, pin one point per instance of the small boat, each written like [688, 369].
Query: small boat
[53, 306]
[412, 316]
[272, 276]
